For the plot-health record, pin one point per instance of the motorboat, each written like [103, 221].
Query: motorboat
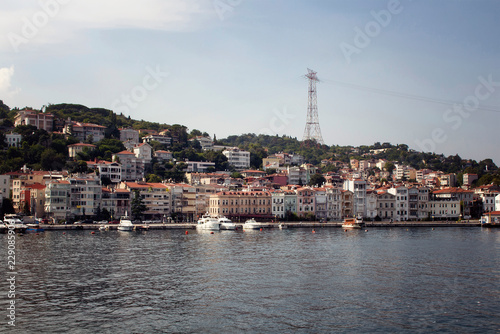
[125, 224]
[251, 224]
[34, 228]
[103, 227]
[14, 222]
[207, 222]
[352, 223]
[226, 224]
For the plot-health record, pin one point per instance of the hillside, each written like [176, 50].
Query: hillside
[42, 150]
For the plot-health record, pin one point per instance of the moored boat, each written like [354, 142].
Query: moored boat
[125, 224]
[206, 222]
[352, 223]
[226, 224]
[251, 224]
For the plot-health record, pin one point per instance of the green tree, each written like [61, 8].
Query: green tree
[317, 180]
[137, 205]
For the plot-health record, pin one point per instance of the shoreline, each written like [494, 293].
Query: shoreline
[49, 227]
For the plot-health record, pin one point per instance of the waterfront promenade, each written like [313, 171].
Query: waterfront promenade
[317, 224]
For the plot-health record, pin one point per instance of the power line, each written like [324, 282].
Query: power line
[405, 95]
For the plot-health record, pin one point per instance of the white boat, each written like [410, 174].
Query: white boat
[226, 224]
[103, 227]
[251, 224]
[352, 223]
[125, 224]
[206, 222]
[13, 221]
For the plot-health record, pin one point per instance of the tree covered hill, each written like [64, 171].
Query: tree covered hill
[43, 150]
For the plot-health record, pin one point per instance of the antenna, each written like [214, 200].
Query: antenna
[312, 130]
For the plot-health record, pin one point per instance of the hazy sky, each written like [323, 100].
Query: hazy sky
[424, 73]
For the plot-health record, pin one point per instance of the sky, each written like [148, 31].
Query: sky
[423, 73]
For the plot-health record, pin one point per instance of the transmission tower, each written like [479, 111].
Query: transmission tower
[312, 131]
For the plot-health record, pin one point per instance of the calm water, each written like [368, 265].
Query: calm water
[271, 281]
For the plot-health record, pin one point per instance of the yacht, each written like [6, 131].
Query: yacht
[13, 221]
[125, 224]
[352, 223]
[251, 224]
[206, 222]
[226, 224]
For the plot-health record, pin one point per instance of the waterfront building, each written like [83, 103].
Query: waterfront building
[497, 202]
[290, 202]
[371, 205]
[57, 200]
[321, 203]
[32, 199]
[278, 203]
[466, 197]
[423, 203]
[85, 195]
[401, 193]
[347, 203]
[358, 189]
[334, 203]
[117, 202]
[240, 205]
[386, 205]
[306, 202]
[157, 197]
[5, 185]
[444, 208]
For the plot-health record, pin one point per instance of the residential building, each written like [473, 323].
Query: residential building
[296, 175]
[106, 169]
[199, 166]
[466, 197]
[448, 180]
[164, 140]
[57, 200]
[469, 178]
[386, 205]
[143, 151]
[347, 203]
[238, 158]
[84, 131]
[163, 155]
[290, 202]
[334, 203]
[117, 202]
[278, 204]
[5, 185]
[306, 202]
[423, 203]
[157, 197]
[240, 205]
[32, 197]
[371, 204]
[132, 167]
[43, 121]
[85, 196]
[206, 143]
[129, 135]
[497, 202]
[74, 149]
[358, 189]
[13, 139]
[444, 208]
[401, 193]
[321, 203]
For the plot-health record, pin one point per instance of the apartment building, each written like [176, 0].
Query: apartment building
[358, 189]
[130, 135]
[334, 203]
[74, 149]
[401, 193]
[132, 167]
[13, 139]
[278, 203]
[43, 121]
[242, 204]
[156, 196]
[57, 200]
[240, 159]
[386, 205]
[117, 202]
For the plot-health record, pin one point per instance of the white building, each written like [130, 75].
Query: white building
[198, 166]
[278, 204]
[132, 167]
[129, 135]
[163, 155]
[206, 143]
[401, 194]
[57, 200]
[321, 201]
[13, 139]
[497, 203]
[240, 159]
[444, 208]
[143, 151]
[371, 205]
[334, 203]
[110, 170]
[164, 140]
[5, 185]
[358, 188]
